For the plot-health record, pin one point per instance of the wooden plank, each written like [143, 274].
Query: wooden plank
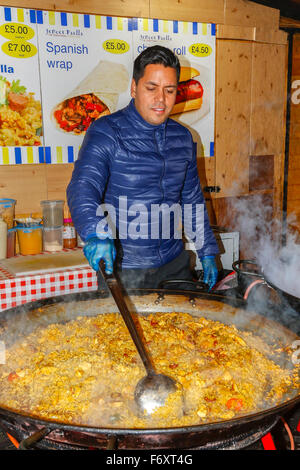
[207, 169]
[233, 98]
[130, 8]
[243, 33]
[57, 178]
[296, 66]
[26, 184]
[294, 162]
[258, 34]
[288, 23]
[188, 10]
[293, 192]
[294, 206]
[296, 45]
[294, 150]
[294, 129]
[293, 195]
[268, 99]
[234, 12]
[293, 210]
[247, 13]
[294, 120]
[272, 36]
[261, 172]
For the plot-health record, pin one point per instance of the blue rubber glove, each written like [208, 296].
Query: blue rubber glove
[96, 249]
[210, 270]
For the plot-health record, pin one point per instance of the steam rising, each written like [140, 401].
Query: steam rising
[278, 262]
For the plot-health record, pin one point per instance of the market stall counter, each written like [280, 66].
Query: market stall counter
[28, 278]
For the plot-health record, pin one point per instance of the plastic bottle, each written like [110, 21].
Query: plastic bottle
[3, 238]
[30, 239]
[69, 234]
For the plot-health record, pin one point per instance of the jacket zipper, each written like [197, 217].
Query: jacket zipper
[161, 187]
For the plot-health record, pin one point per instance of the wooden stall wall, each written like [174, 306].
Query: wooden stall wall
[293, 194]
[250, 105]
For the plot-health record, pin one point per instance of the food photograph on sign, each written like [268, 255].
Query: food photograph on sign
[192, 101]
[95, 96]
[194, 106]
[20, 101]
[20, 115]
[85, 75]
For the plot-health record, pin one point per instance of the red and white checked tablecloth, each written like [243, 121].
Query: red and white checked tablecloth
[19, 290]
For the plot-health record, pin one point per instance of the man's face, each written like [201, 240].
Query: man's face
[155, 93]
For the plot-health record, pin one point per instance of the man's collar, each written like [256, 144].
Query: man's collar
[141, 121]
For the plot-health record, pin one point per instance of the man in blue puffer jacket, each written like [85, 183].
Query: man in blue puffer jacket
[134, 181]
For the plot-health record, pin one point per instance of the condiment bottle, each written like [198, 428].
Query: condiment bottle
[69, 234]
[3, 238]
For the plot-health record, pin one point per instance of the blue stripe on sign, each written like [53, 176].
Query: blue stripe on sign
[129, 24]
[86, 21]
[63, 19]
[175, 26]
[211, 149]
[109, 22]
[47, 155]
[213, 29]
[32, 16]
[7, 14]
[70, 154]
[155, 26]
[39, 17]
[18, 156]
[195, 27]
[41, 154]
[134, 24]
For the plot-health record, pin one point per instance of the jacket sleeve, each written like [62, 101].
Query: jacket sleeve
[91, 171]
[195, 217]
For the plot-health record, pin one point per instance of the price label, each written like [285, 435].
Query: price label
[116, 46]
[200, 50]
[19, 49]
[16, 31]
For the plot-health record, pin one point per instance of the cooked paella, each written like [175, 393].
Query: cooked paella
[84, 372]
[20, 115]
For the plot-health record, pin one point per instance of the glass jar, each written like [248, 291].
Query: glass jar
[7, 211]
[69, 234]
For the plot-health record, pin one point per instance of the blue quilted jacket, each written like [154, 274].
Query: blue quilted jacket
[124, 158]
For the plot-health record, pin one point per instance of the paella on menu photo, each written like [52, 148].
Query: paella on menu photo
[20, 100]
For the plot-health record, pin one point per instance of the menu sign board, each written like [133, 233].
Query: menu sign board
[61, 71]
[84, 74]
[20, 99]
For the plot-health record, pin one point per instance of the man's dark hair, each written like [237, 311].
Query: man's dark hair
[155, 55]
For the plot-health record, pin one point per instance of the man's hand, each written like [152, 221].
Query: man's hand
[210, 270]
[96, 249]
